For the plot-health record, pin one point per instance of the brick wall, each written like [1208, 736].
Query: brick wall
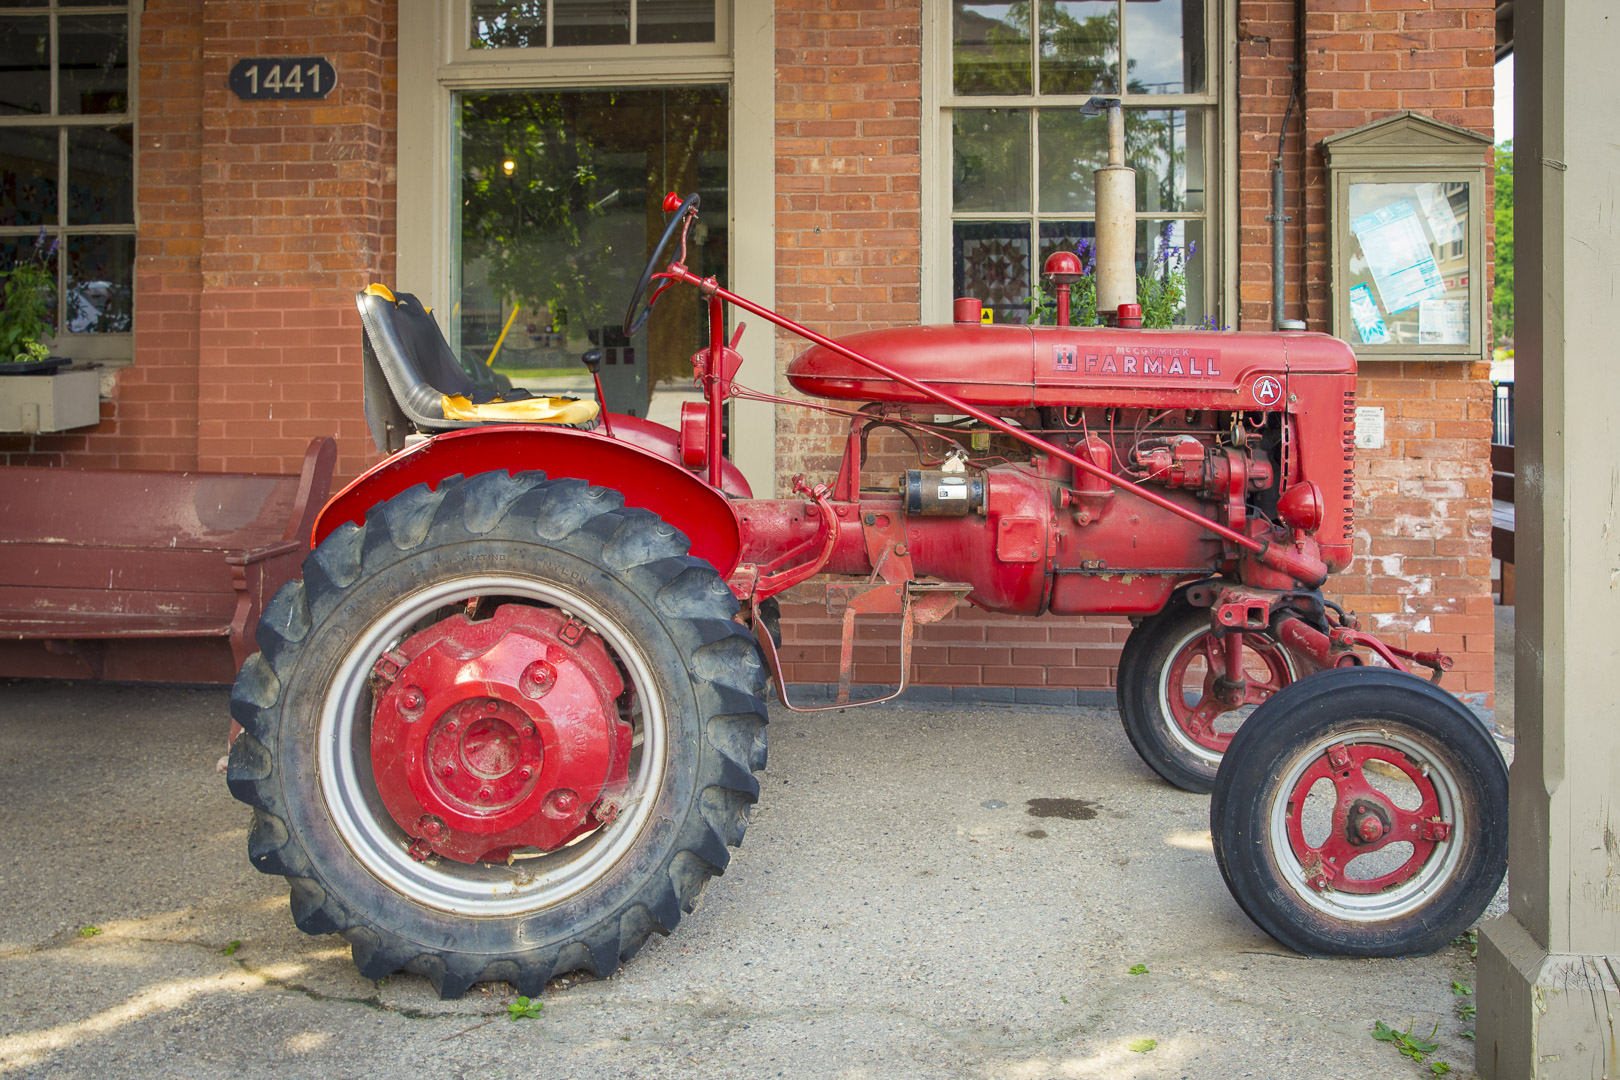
[150, 422]
[1422, 566]
[298, 200]
[258, 221]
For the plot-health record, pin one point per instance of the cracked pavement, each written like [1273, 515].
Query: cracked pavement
[896, 911]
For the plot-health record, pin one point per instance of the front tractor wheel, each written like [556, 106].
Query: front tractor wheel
[504, 730]
[1177, 709]
[1362, 812]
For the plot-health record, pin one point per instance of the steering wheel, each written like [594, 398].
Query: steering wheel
[634, 320]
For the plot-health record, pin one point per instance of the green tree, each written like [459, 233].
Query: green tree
[1502, 296]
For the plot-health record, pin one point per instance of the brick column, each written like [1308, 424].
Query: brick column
[298, 204]
[1422, 563]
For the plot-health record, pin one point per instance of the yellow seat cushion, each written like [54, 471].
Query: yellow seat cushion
[539, 410]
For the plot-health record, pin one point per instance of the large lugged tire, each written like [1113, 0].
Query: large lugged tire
[1166, 692]
[601, 602]
[1362, 812]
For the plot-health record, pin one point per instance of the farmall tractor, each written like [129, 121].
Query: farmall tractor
[507, 724]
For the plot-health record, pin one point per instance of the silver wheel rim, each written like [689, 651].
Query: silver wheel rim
[1180, 737]
[1398, 900]
[481, 889]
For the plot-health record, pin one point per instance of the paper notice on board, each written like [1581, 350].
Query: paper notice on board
[1443, 322]
[1399, 256]
[1364, 313]
[1443, 222]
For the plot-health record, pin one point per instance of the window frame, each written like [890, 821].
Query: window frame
[461, 52]
[432, 42]
[940, 101]
[117, 350]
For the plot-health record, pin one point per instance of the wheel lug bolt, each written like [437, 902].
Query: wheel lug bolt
[1370, 828]
[484, 793]
[411, 702]
[562, 801]
[524, 774]
[448, 770]
[451, 726]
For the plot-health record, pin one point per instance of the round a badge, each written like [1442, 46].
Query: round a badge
[1267, 390]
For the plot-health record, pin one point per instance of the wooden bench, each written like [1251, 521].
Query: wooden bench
[148, 576]
[1502, 516]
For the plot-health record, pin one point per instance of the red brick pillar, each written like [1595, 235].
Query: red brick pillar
[1421, 573]
[298, 213]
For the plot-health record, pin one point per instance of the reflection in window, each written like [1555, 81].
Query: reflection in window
[991, 47]
[561, 195]
[73, 172]
[1080, 47]
[524, 24]
[1025, 176]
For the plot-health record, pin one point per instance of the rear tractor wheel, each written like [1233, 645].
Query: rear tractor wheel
[1173, 698]
[504, 730]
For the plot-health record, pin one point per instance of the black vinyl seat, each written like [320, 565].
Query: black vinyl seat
[413, 380]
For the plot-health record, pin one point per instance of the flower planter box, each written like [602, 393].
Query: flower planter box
[50, 401]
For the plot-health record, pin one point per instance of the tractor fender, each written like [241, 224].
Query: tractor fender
[644, 478]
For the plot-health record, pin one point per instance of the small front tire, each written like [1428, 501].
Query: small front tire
[1362, 812]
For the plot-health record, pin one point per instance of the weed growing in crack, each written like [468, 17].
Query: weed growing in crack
[524, 1009]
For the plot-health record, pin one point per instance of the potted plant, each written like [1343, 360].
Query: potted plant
[52, 395]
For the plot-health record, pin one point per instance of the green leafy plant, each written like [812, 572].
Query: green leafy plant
[25, 302]
[230, 948]
[89, 931]
[1141, 1046]
[1161, 289]
[1413, 1046]
[524, 1009]
[1137, 969]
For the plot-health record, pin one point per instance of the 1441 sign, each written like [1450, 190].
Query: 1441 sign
[283, 77]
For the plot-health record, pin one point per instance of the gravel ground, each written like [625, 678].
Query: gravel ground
[900, 909]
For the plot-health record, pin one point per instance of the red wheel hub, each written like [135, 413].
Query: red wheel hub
[1197, 721]
[500, 734]
[1364, 819]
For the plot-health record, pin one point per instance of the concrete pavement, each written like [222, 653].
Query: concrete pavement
[896, 911]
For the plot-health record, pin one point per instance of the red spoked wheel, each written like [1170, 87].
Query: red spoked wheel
[1205, 707]
[1362, 812]
[1364, 841]
[1179, 709]
[499, 735]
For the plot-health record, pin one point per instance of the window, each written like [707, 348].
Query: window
[67, 160]
[550, 24]
[1022, 153]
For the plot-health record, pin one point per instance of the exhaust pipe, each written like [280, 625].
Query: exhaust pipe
[1116, 216]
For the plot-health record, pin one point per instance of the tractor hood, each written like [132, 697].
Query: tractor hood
[1012, 366]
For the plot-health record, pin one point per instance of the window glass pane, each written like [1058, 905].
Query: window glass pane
[1409, 276]
[1165, 40]
[100, 273]
[674, 22]
[100, 176]
[1170, 254]
[508, 24]
[990, 47]
[561, 198]
[1072, 148]
[18, 249]
[27, 176]
[990, 159]
[1157, 145]
[25, 66]
[92, 58]
[1080, 47]
[591, 22]
[993, 267]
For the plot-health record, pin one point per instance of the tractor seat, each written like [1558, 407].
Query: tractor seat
[428, 387]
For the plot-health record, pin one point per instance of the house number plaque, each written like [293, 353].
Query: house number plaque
[285, 78]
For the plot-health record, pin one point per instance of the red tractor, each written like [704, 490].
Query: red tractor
[507, 724]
